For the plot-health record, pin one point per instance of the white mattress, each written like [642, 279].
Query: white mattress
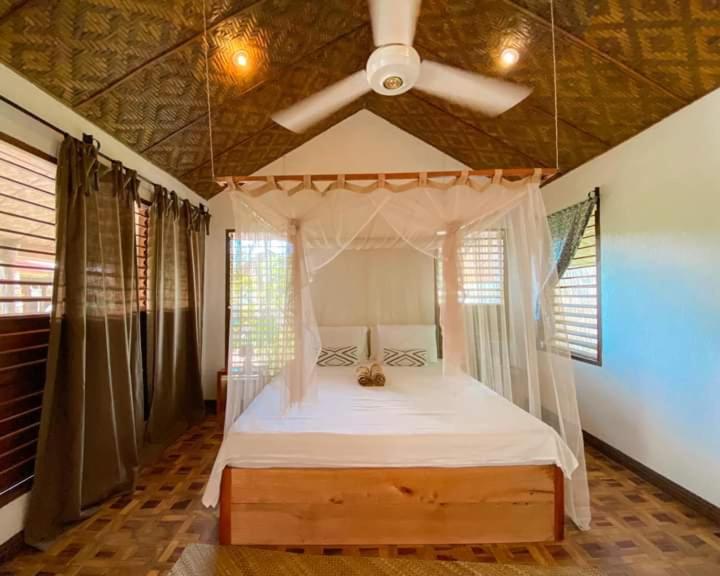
[420, 418]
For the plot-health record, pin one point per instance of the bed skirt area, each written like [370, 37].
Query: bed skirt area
[355, 506]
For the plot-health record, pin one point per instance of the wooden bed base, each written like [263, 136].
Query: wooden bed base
[350, 506]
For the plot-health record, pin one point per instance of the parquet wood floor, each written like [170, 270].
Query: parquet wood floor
[637, 529]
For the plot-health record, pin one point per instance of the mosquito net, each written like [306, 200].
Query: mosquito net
[492, 244]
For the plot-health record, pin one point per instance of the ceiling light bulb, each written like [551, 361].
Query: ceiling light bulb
[509, 56]
[240, 59]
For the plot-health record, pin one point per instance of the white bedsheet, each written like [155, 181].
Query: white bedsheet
[420, 418]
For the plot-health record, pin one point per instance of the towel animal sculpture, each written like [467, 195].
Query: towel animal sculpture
[370, 375]
[377, 374]
[363, 376]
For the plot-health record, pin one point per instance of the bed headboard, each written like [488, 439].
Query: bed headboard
[369, 287]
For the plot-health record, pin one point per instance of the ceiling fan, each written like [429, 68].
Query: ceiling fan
[395, 67]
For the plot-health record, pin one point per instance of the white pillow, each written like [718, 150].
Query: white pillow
[346, 336]
[403, 337]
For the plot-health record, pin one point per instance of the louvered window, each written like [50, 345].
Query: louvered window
[27, 232]
[482, 261]
[27, 260]
[482, 269]
[577, 302]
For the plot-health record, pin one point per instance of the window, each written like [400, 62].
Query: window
[27, 232]
[577, 298]
[257, 288]
[482, 265]
[27, 260]
[482, 261]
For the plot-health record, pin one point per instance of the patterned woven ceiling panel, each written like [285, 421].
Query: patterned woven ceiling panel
[170, 94]
[7, 5]
[242, 115]
[595, 95]
[531, 131]
[136, 68]
[74, 48]
[466, 143]
[676, 43]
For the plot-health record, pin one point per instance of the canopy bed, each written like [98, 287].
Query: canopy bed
[476, 435]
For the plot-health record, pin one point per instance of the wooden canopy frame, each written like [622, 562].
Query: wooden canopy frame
[365, 176]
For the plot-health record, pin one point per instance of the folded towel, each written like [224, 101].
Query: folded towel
[363, 376]
[377, 375]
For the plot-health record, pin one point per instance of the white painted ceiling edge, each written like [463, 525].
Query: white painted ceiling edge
[18, 125]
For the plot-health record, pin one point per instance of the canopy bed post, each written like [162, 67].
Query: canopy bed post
[451, 317]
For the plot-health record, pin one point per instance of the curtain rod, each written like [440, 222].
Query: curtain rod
[64, 133]
[514, 172]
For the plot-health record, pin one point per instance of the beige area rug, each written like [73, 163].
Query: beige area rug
[206, 560]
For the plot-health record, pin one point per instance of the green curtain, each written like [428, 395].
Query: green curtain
[176, 262]
[567, 227]
[91, 424]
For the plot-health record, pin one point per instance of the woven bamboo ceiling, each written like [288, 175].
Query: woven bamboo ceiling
[136, 69]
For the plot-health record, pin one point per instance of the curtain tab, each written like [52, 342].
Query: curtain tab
[341, 180]
[381, 181]
[307, 182]
[422, 178]
[537, 175]
[463, 178]
[497, 177]
[132, 185]
[271, 181]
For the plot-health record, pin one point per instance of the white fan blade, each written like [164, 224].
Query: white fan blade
[301, 115]
[487, 95]
[393, 21]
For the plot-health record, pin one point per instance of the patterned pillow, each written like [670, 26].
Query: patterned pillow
[413, 357]
[338, 356]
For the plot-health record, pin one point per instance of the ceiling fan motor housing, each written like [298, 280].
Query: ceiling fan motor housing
[393, 69]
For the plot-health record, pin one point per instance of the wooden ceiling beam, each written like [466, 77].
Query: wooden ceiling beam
[604, 55]
[162, 55]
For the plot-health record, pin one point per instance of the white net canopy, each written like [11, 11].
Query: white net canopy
[493, 247]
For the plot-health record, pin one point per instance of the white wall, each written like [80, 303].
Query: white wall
[370, 287]
[363, 142]
[34, 133]
[657, 395]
